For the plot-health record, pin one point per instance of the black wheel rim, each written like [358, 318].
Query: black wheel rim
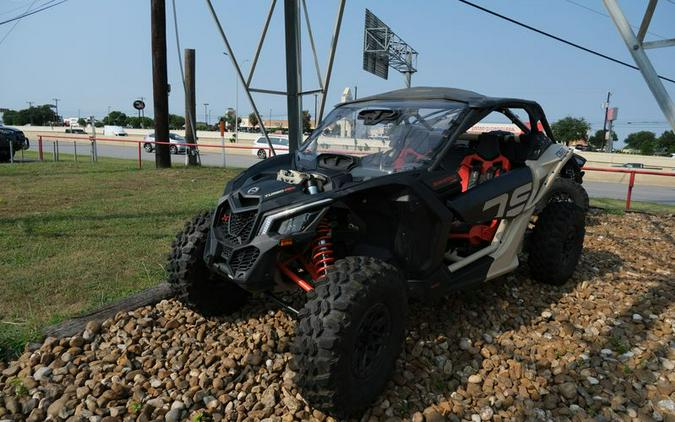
[261, 154]
[148, 148]
[371, 340]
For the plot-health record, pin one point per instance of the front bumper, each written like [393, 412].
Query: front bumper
[250, 265]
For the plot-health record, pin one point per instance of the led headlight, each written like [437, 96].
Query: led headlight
[298, 223]
[292, 220]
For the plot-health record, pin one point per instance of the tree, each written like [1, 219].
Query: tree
[140, 122]
[176, 122]
[253, 120]
[306, 122]
[229, 119]
[38, 116]
[570, 129]
[82, 122]
[116, 118]
[598, 139]
[666, 142]
[644, 141]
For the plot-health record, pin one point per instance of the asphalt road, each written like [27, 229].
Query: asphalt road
[646, 193]
[641, 192]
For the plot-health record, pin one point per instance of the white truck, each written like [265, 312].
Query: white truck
[114, 131]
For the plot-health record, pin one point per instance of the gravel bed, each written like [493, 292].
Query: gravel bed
[600, 347]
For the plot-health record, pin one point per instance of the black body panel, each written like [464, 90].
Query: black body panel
[503, 196]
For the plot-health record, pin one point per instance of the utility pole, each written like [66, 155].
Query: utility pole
[206, 113]
[293, 74]
[190, 105]
[30, 105]
[604, 125]
[160, 83]
[56, 106]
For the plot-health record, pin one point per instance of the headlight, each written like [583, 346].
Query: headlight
[293, 220]
[298, 223]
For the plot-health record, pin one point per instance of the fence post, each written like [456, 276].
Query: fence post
[75, 149]
[40, 150]
[631, 183]
[57, 150]
[11, 150]
[53, 150]
[140, 163]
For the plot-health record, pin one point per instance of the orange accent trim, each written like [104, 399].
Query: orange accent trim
[469, 161]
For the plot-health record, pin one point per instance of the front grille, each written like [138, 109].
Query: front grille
[243, 259]
[237, 227]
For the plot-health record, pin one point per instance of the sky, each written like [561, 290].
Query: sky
[94, 55]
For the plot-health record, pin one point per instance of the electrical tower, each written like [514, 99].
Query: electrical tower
[637, 45]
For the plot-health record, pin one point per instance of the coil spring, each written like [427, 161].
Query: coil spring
[322, 249]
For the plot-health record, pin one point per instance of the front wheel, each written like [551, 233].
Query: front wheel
[190, 278]
[350, 333]
[262, 154]
[173, 149]
[556, 243]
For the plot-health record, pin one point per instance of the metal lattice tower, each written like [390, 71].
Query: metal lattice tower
[637, 45]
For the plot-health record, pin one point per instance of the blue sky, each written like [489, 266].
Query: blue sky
[96, 54]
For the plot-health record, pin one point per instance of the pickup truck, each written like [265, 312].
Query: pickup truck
[14, 137]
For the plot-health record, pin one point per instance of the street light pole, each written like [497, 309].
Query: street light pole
[206, 115]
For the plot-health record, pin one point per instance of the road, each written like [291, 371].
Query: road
[646, 193]
[244, 159]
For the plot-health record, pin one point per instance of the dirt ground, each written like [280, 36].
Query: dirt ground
[600, 347]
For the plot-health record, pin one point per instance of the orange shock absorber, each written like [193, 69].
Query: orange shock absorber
[322, 249]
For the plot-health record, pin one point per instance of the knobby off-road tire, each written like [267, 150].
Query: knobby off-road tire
[556, 243]
[192, 281]
[349, 335]
[565, 190]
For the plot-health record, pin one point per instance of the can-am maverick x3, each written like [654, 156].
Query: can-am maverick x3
[392, 196]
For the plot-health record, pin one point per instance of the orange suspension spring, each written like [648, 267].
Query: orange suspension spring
[322, 249]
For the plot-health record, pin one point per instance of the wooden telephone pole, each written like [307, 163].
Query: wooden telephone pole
[160, 83]
[190, 105]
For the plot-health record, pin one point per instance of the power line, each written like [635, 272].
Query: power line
[17, 22]
[562, 40]
[603, 14]
[32, 13]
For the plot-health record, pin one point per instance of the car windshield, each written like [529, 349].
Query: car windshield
[387, 136]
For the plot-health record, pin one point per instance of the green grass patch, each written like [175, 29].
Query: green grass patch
[74, 237]
[618, 206]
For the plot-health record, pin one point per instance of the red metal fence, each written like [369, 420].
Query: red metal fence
[92, 140]
[631, 181]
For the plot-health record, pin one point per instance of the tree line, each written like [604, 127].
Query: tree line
[571, 129]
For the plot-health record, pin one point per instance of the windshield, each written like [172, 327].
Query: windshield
[387, 136]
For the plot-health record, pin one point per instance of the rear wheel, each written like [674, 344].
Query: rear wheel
[262, 154]
[556, 243]
[147, 147]
[349, 335]
[192, 281]
[173, 149]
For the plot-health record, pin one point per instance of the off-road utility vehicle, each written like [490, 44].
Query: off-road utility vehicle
[392, 196]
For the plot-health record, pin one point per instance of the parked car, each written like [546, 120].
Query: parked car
[13, 137]
[173, 138]
[114, 131]
[262, 149]
[634, 165]
[76, 130]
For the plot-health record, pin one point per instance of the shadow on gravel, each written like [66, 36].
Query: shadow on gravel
[450, 342]
[616, 371]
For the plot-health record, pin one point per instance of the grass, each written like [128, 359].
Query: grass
[618, 206]
[76, 236]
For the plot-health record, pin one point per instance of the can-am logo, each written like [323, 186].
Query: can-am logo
[253, 190]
